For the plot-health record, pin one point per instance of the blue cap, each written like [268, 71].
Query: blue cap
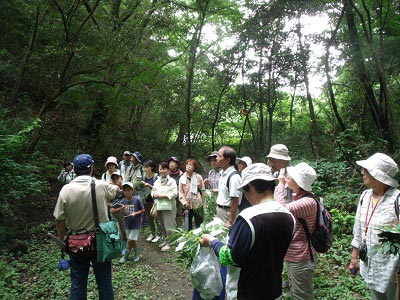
[83, 162]
[138, 156]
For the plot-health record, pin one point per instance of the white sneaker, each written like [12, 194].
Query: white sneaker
[151, 236]
[156, 239]
[165, 248]
[162, 244]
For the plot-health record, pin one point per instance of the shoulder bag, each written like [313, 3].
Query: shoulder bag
[108, 236]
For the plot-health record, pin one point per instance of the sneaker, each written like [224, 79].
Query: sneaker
[165, 248]
[162, 244]
[151, 236]
[156, 239]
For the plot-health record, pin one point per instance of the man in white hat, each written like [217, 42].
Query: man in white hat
[278, 158]
[378, 207]
[258, 240]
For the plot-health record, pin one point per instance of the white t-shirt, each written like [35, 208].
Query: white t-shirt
[224, 196]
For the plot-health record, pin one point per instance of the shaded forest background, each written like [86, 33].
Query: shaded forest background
[102, 77]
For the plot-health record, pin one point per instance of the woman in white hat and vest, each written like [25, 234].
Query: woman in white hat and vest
[376, 209]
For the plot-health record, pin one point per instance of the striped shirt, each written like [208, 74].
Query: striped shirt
[302, 207]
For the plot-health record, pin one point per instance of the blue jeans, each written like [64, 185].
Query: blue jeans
[79, 277]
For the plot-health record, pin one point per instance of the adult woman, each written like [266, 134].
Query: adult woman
[301, 262]
[111, 165]
[190, 194]
[165, 192]
[150, 178]
[376, 209]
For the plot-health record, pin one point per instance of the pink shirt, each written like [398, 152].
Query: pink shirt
[302, 207]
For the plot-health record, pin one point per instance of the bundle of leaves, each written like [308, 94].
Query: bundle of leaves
[187, 242]
[389, 240]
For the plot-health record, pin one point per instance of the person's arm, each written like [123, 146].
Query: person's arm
[232, 212]
[354, 266]
[60, 227]
[182, 194]
[238, 247]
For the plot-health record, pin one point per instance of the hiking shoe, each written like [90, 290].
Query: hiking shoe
[151, 236]
[165, 248]
[156, 239]
[162, 244]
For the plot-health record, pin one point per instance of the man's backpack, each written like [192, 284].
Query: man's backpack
[322, 237]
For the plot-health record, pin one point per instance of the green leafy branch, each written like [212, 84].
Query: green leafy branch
[389, 240]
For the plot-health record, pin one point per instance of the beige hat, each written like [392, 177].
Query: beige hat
[382, 167]
[256, 171]
[111, 160]
[303, 174]
[279, 151]
[247, 160]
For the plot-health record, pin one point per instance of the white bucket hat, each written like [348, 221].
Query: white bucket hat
[303, 174]
[279, 151]
[256, 171]
[382, 167]
[111, 160]
[247, 160]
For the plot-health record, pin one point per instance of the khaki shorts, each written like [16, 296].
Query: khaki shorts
[132, 234]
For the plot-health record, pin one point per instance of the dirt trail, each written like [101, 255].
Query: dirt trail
[173, 278]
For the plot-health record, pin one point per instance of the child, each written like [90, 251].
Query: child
[116, 208]
[133, 210]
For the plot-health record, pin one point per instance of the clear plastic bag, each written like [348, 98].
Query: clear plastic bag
[205, 273]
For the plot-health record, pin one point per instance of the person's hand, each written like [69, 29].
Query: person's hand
[354, 266]
[228, 224]
[206, 239]
[282, 176]
[186, 206]
[206, 181]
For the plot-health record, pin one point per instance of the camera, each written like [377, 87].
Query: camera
[363, 252]
[116, 203]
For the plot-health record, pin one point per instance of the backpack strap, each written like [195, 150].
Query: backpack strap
[396, 206]
[362, 197]
[303, 223]
[308, 234]
[229, 178]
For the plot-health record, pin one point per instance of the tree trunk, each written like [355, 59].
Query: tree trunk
[26, 56]
[315, 135]
[192, 61]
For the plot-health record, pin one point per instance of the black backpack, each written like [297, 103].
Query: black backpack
[322, 237]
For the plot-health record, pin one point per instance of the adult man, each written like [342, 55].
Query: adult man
[74, 209]
[229, 196]
[137, 171]
[125, 166]
[258, 240]
[279, 158]
[214, 174]
[67, 174]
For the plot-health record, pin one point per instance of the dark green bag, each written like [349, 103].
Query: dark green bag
[108, 235]
[108, 241]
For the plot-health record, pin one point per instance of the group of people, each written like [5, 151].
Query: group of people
[259, 203]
